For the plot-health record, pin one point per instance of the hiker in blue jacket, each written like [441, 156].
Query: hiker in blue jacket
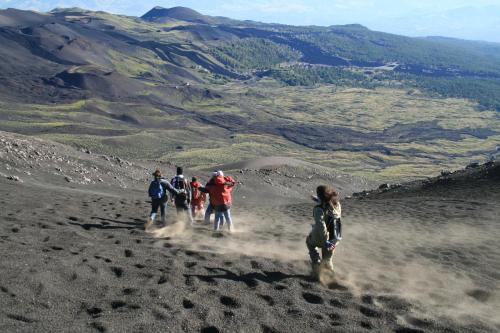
[158, 192]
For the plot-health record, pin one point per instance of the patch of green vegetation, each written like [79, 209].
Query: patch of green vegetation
[253, 53]
[180, 138]
[468, 147]
[14, 126]
[486, 91]
[313, 75]
[138, 27]
[142, 62]
[57, 107]
[367, 111]
[239, 147]
[363, 45]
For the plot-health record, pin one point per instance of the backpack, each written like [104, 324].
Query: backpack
[156, 190]
[333, 226]
[180, 185]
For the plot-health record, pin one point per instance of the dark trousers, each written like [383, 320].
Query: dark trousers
[184, 210]
[158, 203]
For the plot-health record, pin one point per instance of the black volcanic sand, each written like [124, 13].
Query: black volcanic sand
[422, 259]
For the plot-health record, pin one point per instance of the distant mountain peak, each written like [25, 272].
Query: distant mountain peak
[355, 26]
[68, 9]
[161, 14]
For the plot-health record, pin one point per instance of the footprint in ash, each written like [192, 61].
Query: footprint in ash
[230, 302]
[118, 304]
[130, 291]
[94, 312]
[312, 298]
[210, 329]
[369, 312]
[187, 304]
[479, 295]
[269, 300]
[337, 303]
[366, 325]
[268, 329]
[118, 271]
[99, 327]
[21, 318]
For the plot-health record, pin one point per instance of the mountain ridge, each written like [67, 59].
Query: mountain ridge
[225, 48]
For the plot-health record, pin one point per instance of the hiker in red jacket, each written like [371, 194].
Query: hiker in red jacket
[198, 198]
[220, 198]
[210, 208]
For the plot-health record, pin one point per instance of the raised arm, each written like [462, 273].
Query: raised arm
[169, 187]
[187, 186]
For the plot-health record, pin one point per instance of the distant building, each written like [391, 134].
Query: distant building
[495, 156]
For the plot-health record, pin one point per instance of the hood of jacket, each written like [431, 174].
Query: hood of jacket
[195, 184]
[220, 193]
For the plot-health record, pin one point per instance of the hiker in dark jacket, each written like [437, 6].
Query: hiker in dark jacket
[182, 197]
[158, 192]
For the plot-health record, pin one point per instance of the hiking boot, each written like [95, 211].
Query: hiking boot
[148, 224]
[327, 265]
[315, 270]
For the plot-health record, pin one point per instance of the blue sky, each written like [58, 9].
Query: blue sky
[470, 19]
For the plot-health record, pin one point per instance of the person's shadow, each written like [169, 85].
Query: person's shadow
[250, 279]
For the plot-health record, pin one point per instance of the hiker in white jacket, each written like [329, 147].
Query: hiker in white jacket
[326, 231]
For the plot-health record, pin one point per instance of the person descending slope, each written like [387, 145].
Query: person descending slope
[158, 192]
[326, 231]
[220, 197]
[198, 198]
[210, 208]
[182, 197]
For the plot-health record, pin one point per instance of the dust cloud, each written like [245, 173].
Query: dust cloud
[443, 268]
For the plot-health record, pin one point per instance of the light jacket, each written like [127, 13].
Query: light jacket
[320, 232]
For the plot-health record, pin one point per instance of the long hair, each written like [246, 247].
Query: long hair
[157, 173]
[328, 197]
